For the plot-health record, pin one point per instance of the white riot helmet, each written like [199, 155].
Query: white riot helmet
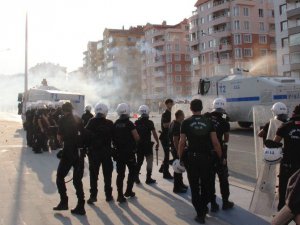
[178, 167]
[123, 109]
[279, 108]
[144, 110]
[51, 105]
[88, 108]
[272, 155]
[41, 105]
[101, 108]
[219, 105]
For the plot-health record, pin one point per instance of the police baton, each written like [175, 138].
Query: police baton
[156, 149]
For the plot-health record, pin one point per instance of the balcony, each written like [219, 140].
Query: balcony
[159, 42]
[226, 61]
[194, 53]
[159, 74]
[159, 63]
[223, 47]
[220, 19]
[219, 5]
[293, 10]
[223, 32]
[194, 42]
[246, 2]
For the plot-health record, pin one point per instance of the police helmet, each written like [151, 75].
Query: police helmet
[67, 107]
[272, 155]
[88, 108]
[101, 108]
[219, 105]
[123, 109]
[178, 167]
[279, 108]
[144, 110]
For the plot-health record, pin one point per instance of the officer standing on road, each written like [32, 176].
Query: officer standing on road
[144, 128]
[125, 137]
[164, 138]
[87, 115]
[174, 135]
[222, 127]
[100, 131]
[200, 134]
[29, 125]
[290, 163]
[70, 132]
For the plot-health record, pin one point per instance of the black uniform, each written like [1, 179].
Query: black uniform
[100, 131]
[290, 162]
[86, 117]
[40, 136]
[198, 160]
[165, 141]
[29, 127]
[144, 127]
[125, 153]
[222, 126]
[174, 131]
[71, 129]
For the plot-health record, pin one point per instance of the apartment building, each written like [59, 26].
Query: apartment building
[287, 17]
[232, 33]
[166, 62]
[90, 59]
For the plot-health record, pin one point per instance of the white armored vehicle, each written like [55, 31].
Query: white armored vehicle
[243, 92]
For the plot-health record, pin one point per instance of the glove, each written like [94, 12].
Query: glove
[272, 144]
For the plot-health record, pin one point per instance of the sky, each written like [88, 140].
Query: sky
[60, 29]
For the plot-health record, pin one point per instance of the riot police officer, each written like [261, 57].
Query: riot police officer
[145, 127]
[199, 132]
[222, 127]
[164, 138]
[70, 132]
[100, 131]
[174, 135]
[29, 125]
[290, 163]
[125, 137]
[87, 115]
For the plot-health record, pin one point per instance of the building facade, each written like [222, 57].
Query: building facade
[166, 63]
[226, 34]
[287, 16]
[90, 59]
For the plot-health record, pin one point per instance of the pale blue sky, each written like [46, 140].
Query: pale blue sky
[60, 29]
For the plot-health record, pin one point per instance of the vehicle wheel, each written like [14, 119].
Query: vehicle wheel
[245, 124]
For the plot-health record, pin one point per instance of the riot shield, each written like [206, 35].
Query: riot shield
[264, 197]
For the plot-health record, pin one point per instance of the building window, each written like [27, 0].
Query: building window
[169, 68]
[177, 78]
[246, 11]
[178, 68]
[260, 12]
[188, 48]
[261, 26]
[295, 58]
[246, 25]
[169, 58]
[202, 20]
[283, 25]
[284, 42]
[285, 59]
[169, 47]
[247, 38]
[203, 47]
[236, 24]
[263, 52]
[211, 44]
[282, 9]
[237, 39]
[236, 11]
[202, 8]
[247, 52]
[177, 57]
[187, 58]
[203, 59]
[295, 39]
[238, 53]
[262, 39]
[187, 68]
[177, 47]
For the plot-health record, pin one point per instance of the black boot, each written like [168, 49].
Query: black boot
[214, 207]
[161, 169]
[149, 180]
[121, 198]
[79, 209]
[227, 205]
[62, 205]
[91, 200]
[129, 194]
[137, 179]
[177, 184]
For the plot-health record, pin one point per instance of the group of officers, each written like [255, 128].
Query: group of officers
[198, 145]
